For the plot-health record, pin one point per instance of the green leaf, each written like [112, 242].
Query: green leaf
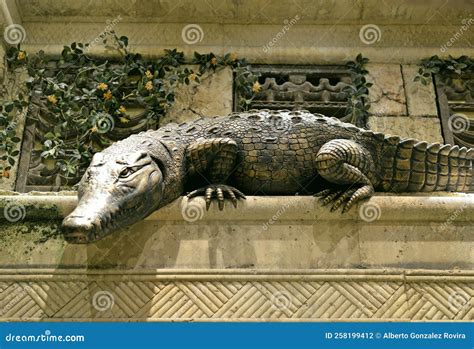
[124, 39]
[49, 135]
[8, 107]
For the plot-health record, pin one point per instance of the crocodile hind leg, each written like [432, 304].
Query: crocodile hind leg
[214, 160]
[348, 165]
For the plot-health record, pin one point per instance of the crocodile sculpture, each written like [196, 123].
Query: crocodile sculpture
[258, 152]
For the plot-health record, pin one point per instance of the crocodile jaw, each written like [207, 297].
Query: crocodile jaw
[114, 193]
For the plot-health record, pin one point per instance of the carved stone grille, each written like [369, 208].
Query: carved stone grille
[319, 89]
[456, 105]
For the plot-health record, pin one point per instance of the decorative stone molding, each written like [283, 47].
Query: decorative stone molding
[235, 295]
[169, 11]
[249, 40]
[405, 31]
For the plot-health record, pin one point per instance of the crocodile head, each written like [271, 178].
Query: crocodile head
[114, 192]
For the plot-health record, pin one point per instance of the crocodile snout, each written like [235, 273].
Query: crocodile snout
[80, 229]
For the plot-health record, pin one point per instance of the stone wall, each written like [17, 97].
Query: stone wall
[394, 257]
[401, 106]
[286, 258]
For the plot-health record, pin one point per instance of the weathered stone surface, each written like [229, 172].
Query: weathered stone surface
[421, 99]
[426, 129]
[212, 97]
[272, 258]
[169, 11]
[263, 233]
[387, 95]
[405, 31]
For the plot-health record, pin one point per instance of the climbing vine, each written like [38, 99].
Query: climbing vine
[86, 96]
[358, 103]
[437, 65]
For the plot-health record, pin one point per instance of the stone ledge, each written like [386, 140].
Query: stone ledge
[233, 295]
[272, 233]
[393, 207]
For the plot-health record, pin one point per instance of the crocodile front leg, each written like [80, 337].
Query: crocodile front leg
[214, 160]
[348, 164]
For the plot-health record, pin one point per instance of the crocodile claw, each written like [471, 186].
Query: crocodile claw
[345, 198]
[219, 192]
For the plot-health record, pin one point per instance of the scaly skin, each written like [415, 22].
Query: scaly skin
[258, 152]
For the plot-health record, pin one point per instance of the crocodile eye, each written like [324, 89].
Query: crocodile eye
[127, 171]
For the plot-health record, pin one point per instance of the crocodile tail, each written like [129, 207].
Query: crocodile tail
[409, 165]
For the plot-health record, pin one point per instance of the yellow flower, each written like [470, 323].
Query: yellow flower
[107, 95]
[214, 61]
[122, 109]
[102, 86]
[149, 86]
[21, 55]
[233, 56]
[256, 87]
[124, 120]
[148, 75]
[192, 76]
[94, 129]
[52, 99]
